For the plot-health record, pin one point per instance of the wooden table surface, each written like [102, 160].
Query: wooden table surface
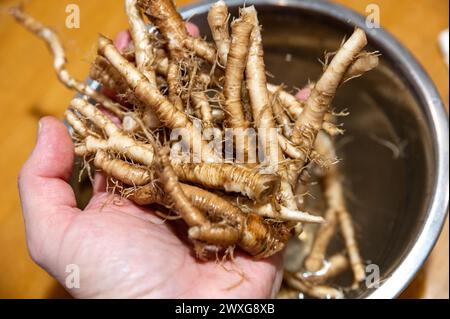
[29, 90]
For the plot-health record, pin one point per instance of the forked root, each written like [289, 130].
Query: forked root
[318, 103]
[181, 203]
[251, 232]
[166, 112]
[217, 20]
[121, 170]
[167, 79]
[336, 213]
[117, 140]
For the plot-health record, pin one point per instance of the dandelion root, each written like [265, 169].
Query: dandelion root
[234, 73]
[231, 178]
[217, 20]
[158, 89]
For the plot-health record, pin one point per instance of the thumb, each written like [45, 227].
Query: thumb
[47, 199]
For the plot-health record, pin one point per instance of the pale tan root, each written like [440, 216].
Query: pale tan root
[144, 56]
[332, 129]
[316, 291]
[294, 108]
[289, 102]
[174, 83]
[281, 117]
[200, 229]
[337, 209]
[283, 213]
[202, 108]
[162, 63]
[167, 113]
[218, 23]
[286, 194]
[176, 77]
[104, 73]
[310, 121]
[294, 153]
[90, 146]
[182, 205]
[257, 87]
[174, 197]
[334, 266]
[121, 170]
[318, 103]
[201, 48]
[142, 46]
[298, 216]
[216, 234]
[289, 149]
[365, 62]
[59, 62]
[259, 98]
[164, 15]
[254, 235]
[117, 140]
[234, 73]
[231, 178]
[348, 232]
[78, 126]
[316, 258]
[162, 68]
[204, 50]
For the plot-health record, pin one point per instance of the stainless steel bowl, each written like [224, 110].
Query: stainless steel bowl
[395, 152]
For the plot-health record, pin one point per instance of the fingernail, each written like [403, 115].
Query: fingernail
[40, 128]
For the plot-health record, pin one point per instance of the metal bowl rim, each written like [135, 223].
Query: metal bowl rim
[437, 121]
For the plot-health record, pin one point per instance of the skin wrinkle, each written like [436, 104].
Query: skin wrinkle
[192, 287]
[99, 201]
[63, 230]
[113, 213]
[162, 283]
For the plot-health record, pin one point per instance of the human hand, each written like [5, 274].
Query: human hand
[122, 250]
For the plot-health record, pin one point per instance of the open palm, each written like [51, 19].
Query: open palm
[121, 250]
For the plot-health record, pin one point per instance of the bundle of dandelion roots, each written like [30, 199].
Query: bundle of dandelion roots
[175, 126]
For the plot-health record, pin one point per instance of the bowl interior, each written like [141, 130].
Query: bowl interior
[386, 153]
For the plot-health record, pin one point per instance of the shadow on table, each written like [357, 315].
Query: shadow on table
[57, 291]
